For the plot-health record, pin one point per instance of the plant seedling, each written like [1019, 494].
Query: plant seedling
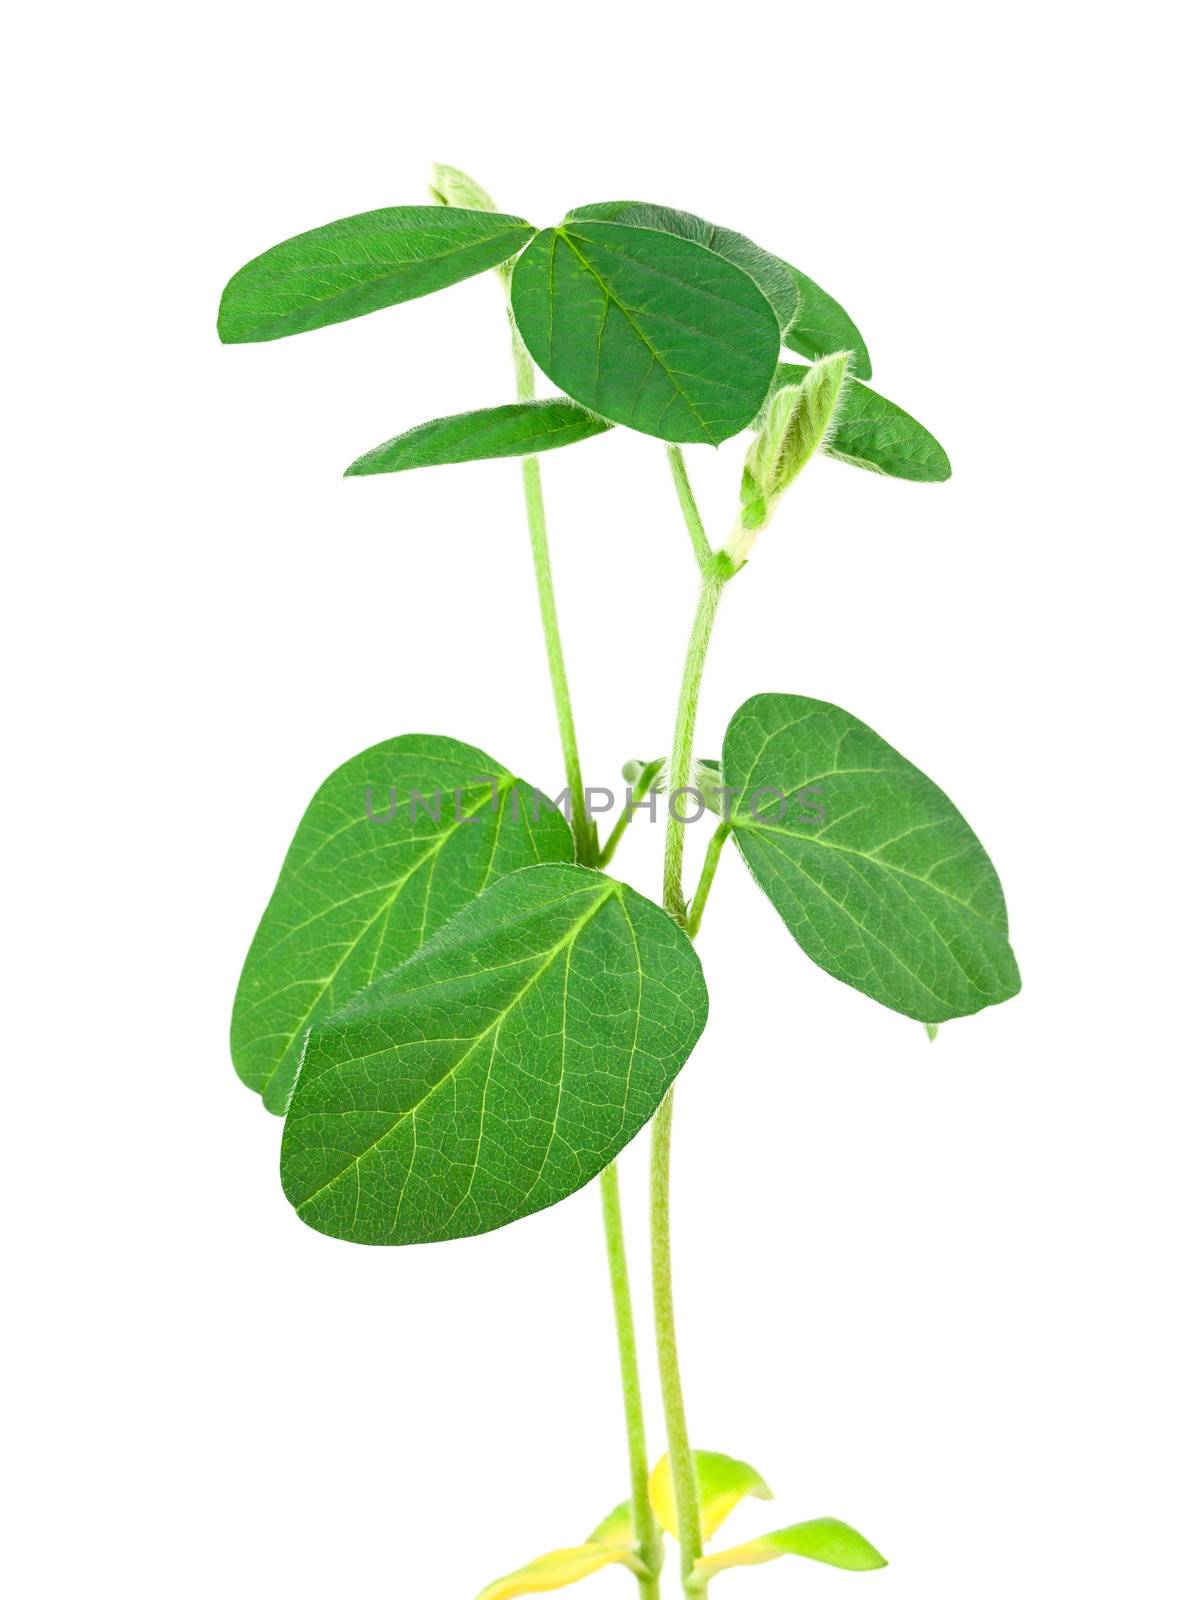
[461, 1017]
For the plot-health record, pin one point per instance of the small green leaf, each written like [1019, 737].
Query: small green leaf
[812, 322]
[452, 187]
[723, 1483]
[555, 1571]
[824, 1539]
[647, 329]
[872, 869]
[822, 327]
[362, 264]
[774, 279]
[366, 881]
[497, 1071]
[523, 429]
[872, 432]
[616, 1529]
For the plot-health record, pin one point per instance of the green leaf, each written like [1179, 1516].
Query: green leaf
[872, 432]
[498, 1070]
[617, 1528]
[822, 327]
[555, 1571]
[647, 329]
[452, 187]
[774, 279]
[811, 321]
[515, 430]
[871, 868]
[723, 1483]
[357, 896]
[825, 1539]
[361, 264]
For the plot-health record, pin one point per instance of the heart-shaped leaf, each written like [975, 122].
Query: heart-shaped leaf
[498, 1070]
[555, 1571]
[369, 877]
[723, 1483]
[362, 264]
[647, 329]
[812, 322]
[870, 431]
[870, 866]
[824, 1539]
[515, 430]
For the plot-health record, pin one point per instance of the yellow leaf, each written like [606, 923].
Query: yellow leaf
[554, 1570]
[723, 1483]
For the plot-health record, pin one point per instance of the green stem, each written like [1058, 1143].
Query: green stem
[707, 877]
[681, 754]
[587, 845]
[649, 1539]
[690, 510]
[682, 1461]
[644, 784]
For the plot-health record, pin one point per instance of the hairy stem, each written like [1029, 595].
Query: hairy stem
[682, 1461]
[649, 1540]
[587, 847]
[690, 510]
[707, 877]
[681, 755]
[636, 795]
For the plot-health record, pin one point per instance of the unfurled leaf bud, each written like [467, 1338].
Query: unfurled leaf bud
[452, 187]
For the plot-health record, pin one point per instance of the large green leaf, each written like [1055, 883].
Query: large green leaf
[647, 329]
[361, 264]
[811, 321]
[357, 896]
[774, 279]
[498, 1070]
[870, 431]
[873, 871]
[824, 1539]
[514, 430]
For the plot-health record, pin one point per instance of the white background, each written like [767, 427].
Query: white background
[926, 1289]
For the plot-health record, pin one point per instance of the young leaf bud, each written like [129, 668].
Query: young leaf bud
[795, 425]
[452, 187]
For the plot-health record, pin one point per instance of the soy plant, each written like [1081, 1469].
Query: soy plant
[460, 1014]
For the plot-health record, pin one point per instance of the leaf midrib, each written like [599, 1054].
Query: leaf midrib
[626, 312]
[567, 942]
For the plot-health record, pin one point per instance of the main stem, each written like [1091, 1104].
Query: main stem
[649, 1539]
[682, 1461]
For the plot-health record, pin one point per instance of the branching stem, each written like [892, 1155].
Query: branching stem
[690, 510]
